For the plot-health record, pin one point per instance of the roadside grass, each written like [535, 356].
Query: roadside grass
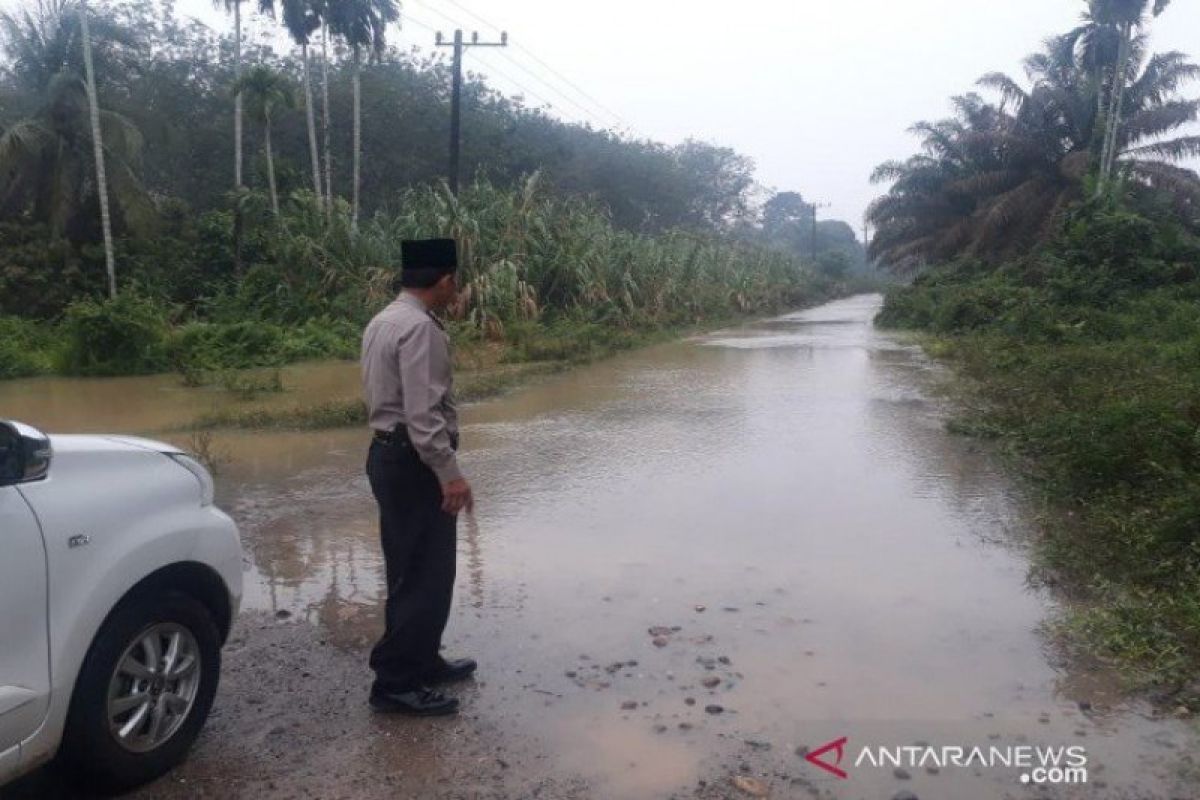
[328, 414]
[470, 386]
[1097, 407]
[249, 385]
[484, 368]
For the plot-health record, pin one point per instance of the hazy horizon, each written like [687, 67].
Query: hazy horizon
[816, 95]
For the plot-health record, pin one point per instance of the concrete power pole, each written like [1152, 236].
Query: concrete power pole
[456, 96]
[815, 207]
[866, 228]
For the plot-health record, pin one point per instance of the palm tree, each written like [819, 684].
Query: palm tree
[98, 151]
[48, 158]
[43, 40]
[992, 181]
[325, 128]
[235, 7]
[1112, 40]
[302, 18]
[265, 91]
[361, 24]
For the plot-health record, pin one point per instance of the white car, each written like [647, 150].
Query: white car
[119, 580]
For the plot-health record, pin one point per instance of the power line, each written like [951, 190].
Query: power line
[603, 122]
[574, 86]
[546, 66]
[411, 18]
[443, 15]
[471, 13]
[491, 67]
[588, 112]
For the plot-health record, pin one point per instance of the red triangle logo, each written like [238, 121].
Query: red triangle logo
[838, 745]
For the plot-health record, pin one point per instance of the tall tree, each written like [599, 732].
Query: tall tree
[98, 150]
[993, 180]
[57, 160]
[47, 158]
[266, 91]
[325, 128]
[1112, 39]
[302, 18]
[235, 7]
[43, 40]
[362, 24]
[785, 208]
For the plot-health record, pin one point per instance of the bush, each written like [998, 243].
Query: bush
[25, 348]
[322, 338]
[566, 340]
[1086, 359]
[203, 346]
[125, 336]
[40, 275]
[305, 284]
[211, 346]
[834, 264]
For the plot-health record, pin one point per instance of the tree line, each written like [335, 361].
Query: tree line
[1099, 116]
[190, 121]
[1055, 238]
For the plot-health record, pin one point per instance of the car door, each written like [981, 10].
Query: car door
[24, 637]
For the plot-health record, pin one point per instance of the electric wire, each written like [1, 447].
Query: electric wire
[544, 65]
[598, 118]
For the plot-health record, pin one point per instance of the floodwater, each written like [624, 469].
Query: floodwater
[781, 498]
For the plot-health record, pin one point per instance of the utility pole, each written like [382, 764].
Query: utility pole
[866, 225]
[816, 206]
[456, 94]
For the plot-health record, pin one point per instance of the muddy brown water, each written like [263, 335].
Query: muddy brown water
[782, 497]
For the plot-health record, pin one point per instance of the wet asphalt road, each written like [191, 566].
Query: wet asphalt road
[689, 564]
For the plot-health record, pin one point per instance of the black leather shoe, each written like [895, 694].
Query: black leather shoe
[420, 702]
[457, 669]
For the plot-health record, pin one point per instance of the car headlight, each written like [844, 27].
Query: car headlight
[196, 468]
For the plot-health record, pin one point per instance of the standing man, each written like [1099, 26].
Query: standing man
[413, 469]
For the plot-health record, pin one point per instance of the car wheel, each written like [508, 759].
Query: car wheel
[144, 691]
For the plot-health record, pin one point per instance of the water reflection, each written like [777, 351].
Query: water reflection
[474, 561]
[783, 494]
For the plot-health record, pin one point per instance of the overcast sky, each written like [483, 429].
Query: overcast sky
[817, 93]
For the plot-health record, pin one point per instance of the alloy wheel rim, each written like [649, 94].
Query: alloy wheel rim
[153, 687]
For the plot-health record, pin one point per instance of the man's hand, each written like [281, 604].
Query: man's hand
[456, 495]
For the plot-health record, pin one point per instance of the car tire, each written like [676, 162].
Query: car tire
[114, 751]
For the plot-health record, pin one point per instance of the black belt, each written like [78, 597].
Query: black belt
[398, 437]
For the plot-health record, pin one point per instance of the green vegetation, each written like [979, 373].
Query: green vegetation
[1058, 253]
[996, 180]
[470, 386]
[122, 336]
[551, 276]
[575, 241]
[1084, 361]
[25, 348]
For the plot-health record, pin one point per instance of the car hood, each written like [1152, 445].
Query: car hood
[94, 443]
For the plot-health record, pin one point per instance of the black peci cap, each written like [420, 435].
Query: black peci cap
[429, 254]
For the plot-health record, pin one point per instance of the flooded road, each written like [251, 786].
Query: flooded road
[688, 563]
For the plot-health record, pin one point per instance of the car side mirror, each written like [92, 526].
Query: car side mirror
[25, 454]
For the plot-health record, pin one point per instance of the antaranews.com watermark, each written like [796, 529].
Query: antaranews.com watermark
[1035, 764]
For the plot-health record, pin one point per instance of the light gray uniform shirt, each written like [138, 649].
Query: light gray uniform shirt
[407, 380]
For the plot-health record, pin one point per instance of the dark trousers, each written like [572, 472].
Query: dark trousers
[419, 552]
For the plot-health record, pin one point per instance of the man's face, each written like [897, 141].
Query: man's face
[445, 291]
